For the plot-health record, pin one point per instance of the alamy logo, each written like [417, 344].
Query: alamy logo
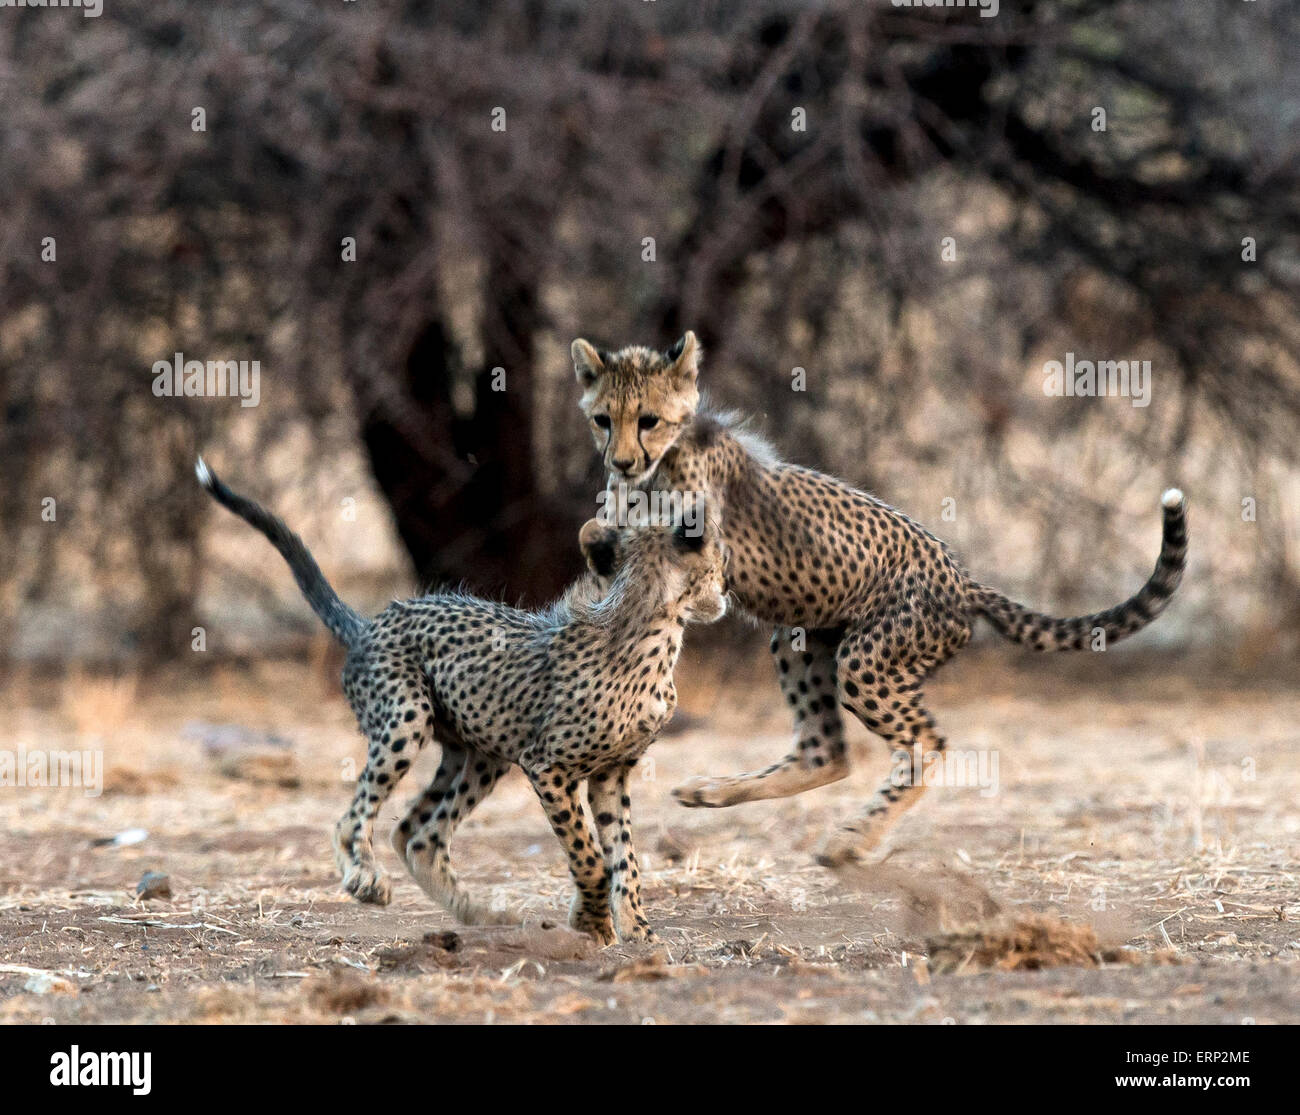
[99, 1070]
[35, 766]
[91, 9]
[1127, 379]
[217, 379]
[633, 507]
[988, 8]
[967, 769]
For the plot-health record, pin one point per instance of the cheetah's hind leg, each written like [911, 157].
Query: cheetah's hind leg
[396, 731]
[423, 838]
[882, 673]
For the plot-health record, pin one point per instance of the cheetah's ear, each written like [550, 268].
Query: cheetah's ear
[694, 523]
[599, 542]
[684, 357]
[587, 364]
[688, 536]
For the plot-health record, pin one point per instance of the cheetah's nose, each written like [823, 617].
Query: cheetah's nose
[622, 464]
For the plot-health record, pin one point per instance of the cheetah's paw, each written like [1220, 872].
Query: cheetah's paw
[638, 935]
[848, 846]
[602, 928]
[711, 793]
[369, 885]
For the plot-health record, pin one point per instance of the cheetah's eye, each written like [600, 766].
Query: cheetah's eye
[648, 421]
[601, 420]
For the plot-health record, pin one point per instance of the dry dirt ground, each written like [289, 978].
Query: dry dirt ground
[1159, 810]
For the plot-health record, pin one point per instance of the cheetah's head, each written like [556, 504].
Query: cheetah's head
[701, 557]
[637, 401]
[683, 559]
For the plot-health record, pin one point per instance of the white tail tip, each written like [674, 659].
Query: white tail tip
[204, 473]
[1172, 498]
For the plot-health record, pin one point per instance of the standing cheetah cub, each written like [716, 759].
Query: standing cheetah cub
[575, 692]
[866, 602]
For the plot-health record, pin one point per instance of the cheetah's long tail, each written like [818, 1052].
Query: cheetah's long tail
[1042, 632]
[344, 623]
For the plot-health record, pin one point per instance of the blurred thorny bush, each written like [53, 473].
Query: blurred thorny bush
[814, 246]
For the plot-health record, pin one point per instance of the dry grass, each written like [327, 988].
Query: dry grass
[1028, 943]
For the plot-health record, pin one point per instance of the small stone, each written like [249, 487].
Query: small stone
[49, 983]
[154, 884]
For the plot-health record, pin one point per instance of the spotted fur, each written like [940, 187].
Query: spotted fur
[866, 602]
[576, 692]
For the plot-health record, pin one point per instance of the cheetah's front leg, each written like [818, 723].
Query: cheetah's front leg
[612, 808]
[589, 911]
[806, 669]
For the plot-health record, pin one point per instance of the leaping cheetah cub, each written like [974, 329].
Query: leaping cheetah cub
[574, 692]
[866, 602]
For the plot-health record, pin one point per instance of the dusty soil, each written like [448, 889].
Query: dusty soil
[1155, 811]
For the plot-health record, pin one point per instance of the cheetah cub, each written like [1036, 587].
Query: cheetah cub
[575, 692]
[865, 602]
